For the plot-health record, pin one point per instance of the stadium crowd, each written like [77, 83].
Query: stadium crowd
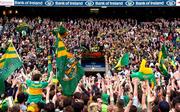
[116, 91]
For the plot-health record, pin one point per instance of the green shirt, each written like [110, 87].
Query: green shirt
[35, 90]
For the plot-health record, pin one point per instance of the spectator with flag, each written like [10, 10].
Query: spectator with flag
[36, 86]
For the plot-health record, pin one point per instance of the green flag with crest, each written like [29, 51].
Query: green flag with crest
[69, 71]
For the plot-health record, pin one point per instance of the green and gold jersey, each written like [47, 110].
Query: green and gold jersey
[35, 89]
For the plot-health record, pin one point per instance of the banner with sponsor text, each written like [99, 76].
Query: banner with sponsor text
[91, 3]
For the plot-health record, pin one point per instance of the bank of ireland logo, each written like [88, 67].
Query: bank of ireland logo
[129, 3]
[89, 3]
[49, 3]
[171, 3]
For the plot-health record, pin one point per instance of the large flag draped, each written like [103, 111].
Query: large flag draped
[9, 62]
[69, 71]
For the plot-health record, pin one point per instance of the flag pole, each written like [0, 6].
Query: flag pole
[56, 79]
[55, 70]
[19, 57]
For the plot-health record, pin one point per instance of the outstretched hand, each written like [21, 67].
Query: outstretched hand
[135, 81]
[144, 87]
[151, 95]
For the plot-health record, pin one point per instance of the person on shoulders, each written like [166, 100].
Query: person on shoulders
[36, 86]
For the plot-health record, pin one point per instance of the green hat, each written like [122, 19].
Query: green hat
[105, 98]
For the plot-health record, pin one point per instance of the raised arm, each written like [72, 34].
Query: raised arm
[168, 92]
[144, 90]
[24, 75]
[111, 95]
[51, 76]
[135, 93]
[135, 83]
[47, 93]
[150, 99]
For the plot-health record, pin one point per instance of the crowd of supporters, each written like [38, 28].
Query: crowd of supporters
[116, 91]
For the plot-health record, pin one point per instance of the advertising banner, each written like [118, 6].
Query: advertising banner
[177, 2]
[92, 3]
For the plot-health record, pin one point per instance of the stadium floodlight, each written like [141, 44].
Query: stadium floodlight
[4, 12]
[10, 11]
[16, 12]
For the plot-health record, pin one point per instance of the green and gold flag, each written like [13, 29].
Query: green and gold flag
[125, 59]
[118, 65]
[9, 62]
[69, 71]
[159, 56]
[163, 68]
[172, 62]
[164, 51]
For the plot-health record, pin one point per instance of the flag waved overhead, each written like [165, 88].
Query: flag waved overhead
[9, 62]
[69, 71]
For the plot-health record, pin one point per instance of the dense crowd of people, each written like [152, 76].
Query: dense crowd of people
[116, 91]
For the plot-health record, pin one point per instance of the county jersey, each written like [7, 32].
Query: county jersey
[35, 90]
